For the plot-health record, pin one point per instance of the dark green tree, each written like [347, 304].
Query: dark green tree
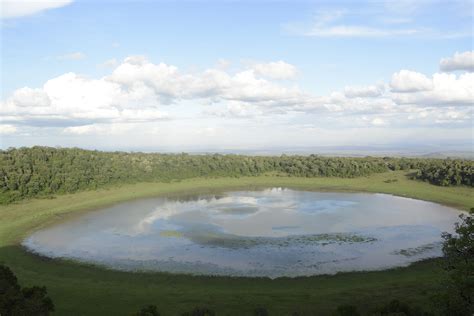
[15, 301]
[457, 297]
[43, 171]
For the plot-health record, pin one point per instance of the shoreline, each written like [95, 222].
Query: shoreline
[71, 283]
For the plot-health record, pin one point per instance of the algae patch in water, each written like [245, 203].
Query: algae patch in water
[415, 251]
[237, 242]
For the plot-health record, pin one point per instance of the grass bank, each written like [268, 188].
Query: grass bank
[79, 289]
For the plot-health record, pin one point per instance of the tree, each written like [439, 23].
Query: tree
[458, 295]
[39, 171]
[15, 301]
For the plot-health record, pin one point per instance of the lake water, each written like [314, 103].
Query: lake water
[273, 232]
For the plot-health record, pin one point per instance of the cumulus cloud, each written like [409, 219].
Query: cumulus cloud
[27, 97]
[19, 8]
[445, 89]
[460, 61]
[139, 91]
[170, 85]
[276, 70]
[76, 100]
[410, 81]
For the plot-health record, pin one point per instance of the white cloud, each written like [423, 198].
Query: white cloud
[375, 22]
[74, 100]
[170, 85]
[7, 129]
[276, 70]
[378, 122]
[101, 129]
[72, 56]
[27, 97]
[325, 25]
[369, 91]
[138, 91]
[223, 64]
[460, 61]
[235, 109]
[110, 63]
[441, 89]
[19, 8]
[356, 31]
[207, 131]
[410, 81]
[452, 116]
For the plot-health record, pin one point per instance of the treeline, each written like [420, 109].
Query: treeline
[29, 172]
[448, 172]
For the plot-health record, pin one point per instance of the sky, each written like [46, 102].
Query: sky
[236, 75]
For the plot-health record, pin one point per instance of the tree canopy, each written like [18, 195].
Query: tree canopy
[39, 171]
[17, 301]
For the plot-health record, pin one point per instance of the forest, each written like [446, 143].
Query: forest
[448, 172]
[41, 171]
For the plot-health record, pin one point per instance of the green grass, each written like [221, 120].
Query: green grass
[79, 289]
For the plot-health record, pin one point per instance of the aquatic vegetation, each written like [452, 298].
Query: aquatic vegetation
[236, 242]
[410, 252]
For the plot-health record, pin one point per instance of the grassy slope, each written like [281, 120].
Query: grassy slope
[85, 290]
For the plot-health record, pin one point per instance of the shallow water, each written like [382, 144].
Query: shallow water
[273, 232]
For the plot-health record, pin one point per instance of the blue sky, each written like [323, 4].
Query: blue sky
[307, 69]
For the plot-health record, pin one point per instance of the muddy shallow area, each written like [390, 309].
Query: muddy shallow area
[273, 232]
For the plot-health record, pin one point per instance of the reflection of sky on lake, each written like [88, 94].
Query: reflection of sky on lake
[273, 232]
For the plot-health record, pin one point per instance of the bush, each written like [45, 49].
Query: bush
[457, 297]
[17, 301]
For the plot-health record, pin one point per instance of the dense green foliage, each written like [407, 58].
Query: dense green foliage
[30, 172]
[448, 172]
[458, 295]
[15, 301]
